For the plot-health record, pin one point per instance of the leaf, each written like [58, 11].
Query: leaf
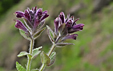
[35, 70]
[36, 51]
[23, 53]
[44, 58]
[37, 34]
[23, 34]
[52, 58]
[20, 67]
[64, 44]
[50, 33]
[53, 54]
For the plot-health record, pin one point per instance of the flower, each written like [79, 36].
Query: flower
[33, 17]
[20, 25]
[33, 20]
[64, 27]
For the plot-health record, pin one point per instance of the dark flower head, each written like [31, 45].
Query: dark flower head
[33, 17]
[66, 26]
[33, 21]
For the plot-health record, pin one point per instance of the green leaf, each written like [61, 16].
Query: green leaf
[23, 34]
[53, 54]
[52, 58]
[20, 67]
[23, 53]
[35, 70]
[38, 33]
[36, 51]
[50, 34]
[63, 44]
[44, 58]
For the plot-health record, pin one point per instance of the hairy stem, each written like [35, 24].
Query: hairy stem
[28, 68]
[49, 53]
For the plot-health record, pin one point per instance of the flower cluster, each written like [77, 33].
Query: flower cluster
[64, 27]
[31, 27]
[33, 20]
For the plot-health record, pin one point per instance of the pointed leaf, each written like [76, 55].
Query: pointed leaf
[44, 58]
[23, 34]
[63, 44]
[36, 51]
[37, 34]
[20, 67]
[52, 58]
[50, 34]
[35, 70]
[53, 54]
[23, 53]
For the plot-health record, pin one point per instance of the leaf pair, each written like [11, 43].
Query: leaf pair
[36, 52]
[28, 37]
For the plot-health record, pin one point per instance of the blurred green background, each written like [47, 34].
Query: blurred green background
[93, 49]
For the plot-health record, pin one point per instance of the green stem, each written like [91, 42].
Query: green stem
[49, 53]
[28, 68]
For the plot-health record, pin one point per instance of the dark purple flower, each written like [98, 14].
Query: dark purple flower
[20, 25]
[33, 17]
[70, 23]
[64, 27]
[56, 24]
[76, 28]
[62, 17]
[19, 14]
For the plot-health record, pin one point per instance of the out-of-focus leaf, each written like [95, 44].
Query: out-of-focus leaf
[23, 53]
[36, 51]
[50, 34]
[52, 58]
[35, 70]
[44, 58]
[37, 34]
[20, 67]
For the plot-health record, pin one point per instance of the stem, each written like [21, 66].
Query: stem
[49, 53]
[51, 50]
[28, 68]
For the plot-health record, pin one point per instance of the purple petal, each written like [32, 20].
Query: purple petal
[39, 12]
[76, 28]
[73, 36]
[19, 14]
[62, 17]
[27, 15]
[20, 25]
[74, 23]
[45, 12]
[56, 24]
[44, 16]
